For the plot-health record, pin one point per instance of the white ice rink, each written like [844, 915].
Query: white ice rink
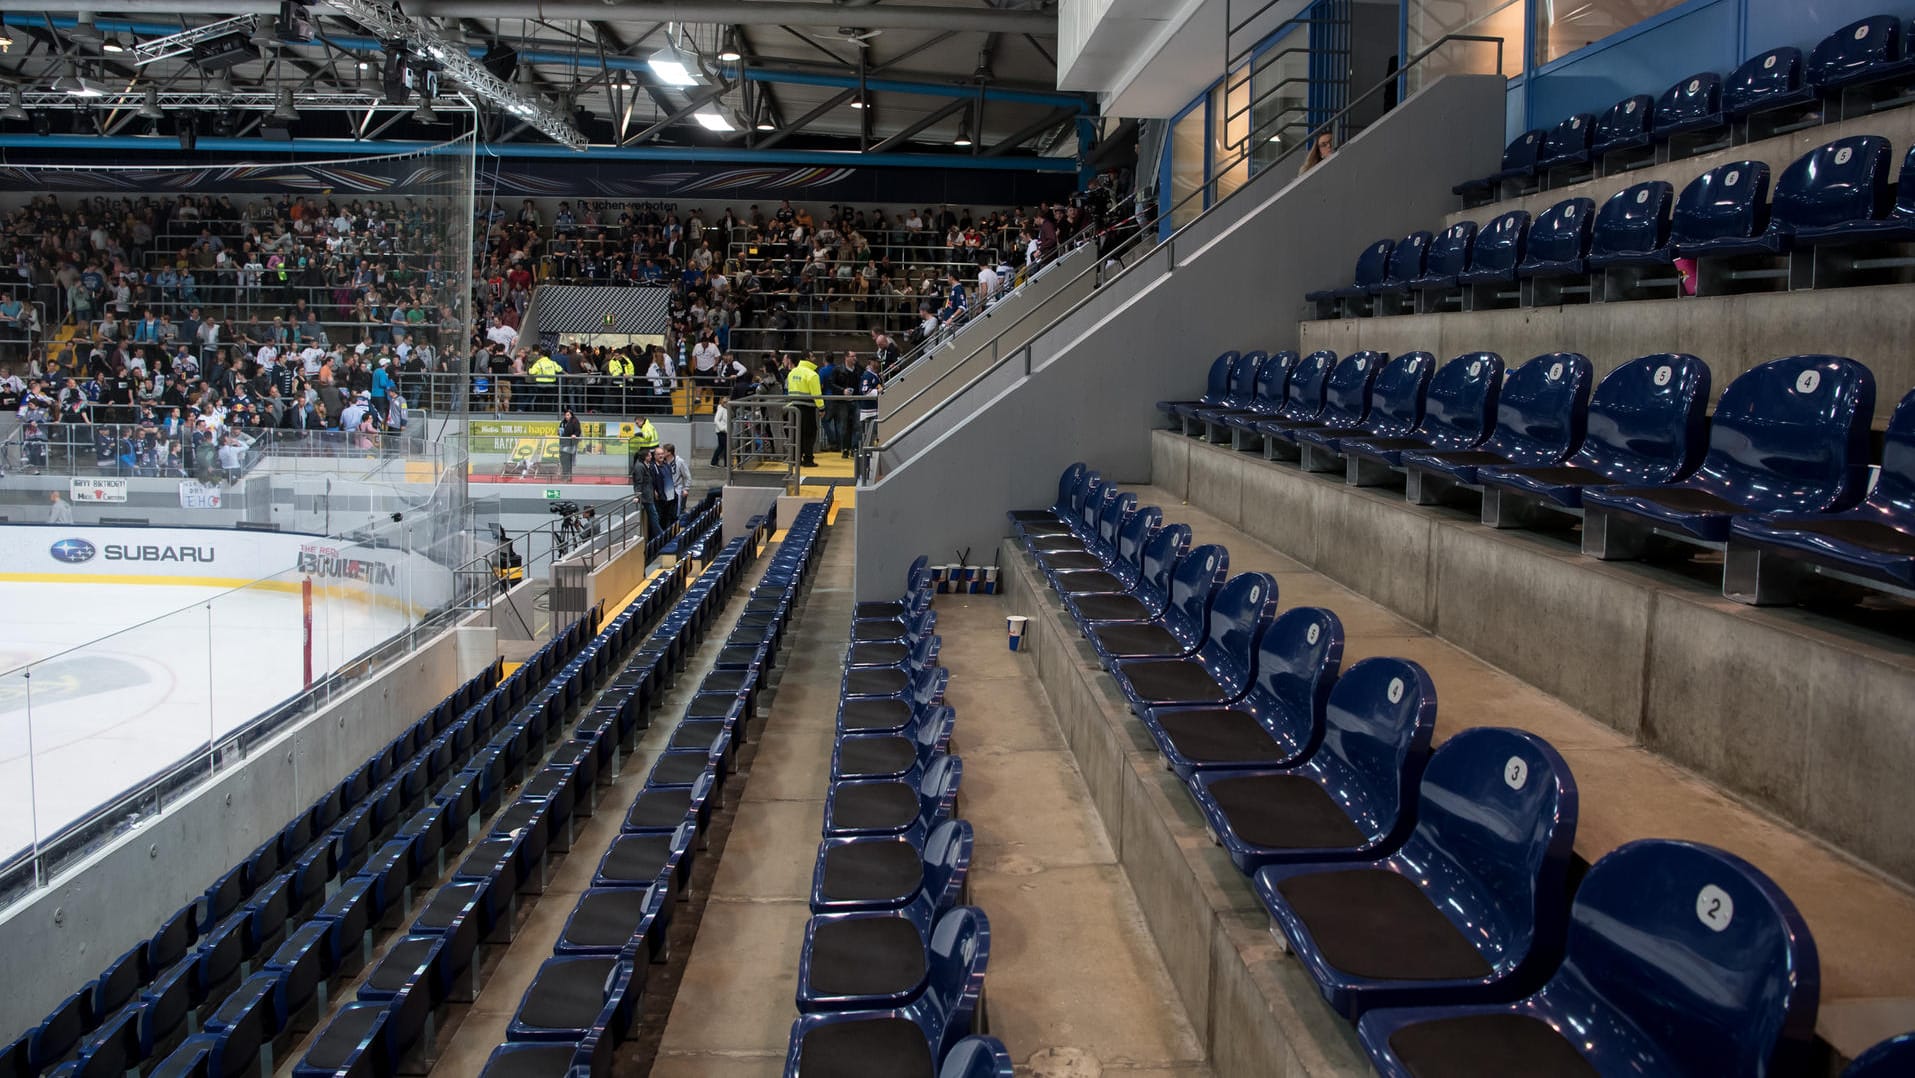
[127, 679]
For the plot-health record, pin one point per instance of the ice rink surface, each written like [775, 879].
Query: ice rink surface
[127, 679]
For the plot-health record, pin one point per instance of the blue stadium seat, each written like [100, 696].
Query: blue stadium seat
[1840, 193]
[1892, 1057]
[1472, 905]
[1680, 961]
[1626, 125]
[608, 920]
[1767, 83]
[1632, 228]
[1346, 401]
[1646, 425]
[1558, 242]
[1216, 385]
[893, 874]
[1279, 720]
[894, 808]
[1221, 669]
[1873, 542]
[1143, 602]
[1124, 571]
[1396, 407]
[1065, 515]
[977, 1057]
[1459, 411]
[911, 1039]
[1180, 629]
[1304, 394]
[1448, 257]
[1540, 413]
[1499, 250]
[1866, 51]
[1267, 397]
[1372, 267]
[575, 996]
[1567, 144]
[1351, 799]
[1791, 435]
[1519, 163]
[1725, 211]
[1693, 105]
[1243, 389]
[1407, 263]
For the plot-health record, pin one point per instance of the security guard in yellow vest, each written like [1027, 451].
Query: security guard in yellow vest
[644, 437]
[802, 384]
[545, 372]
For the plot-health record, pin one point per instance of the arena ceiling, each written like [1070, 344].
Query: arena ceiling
[961, 78]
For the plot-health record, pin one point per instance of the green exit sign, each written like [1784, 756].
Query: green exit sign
[553, 494]
[608, 318]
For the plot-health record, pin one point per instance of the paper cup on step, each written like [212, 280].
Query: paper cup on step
[1016, 625]
[990, 580]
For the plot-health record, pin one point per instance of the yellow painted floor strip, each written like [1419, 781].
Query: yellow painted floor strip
[511, 666]
[632, 596]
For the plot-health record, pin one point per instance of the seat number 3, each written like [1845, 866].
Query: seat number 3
[1714, 907]
[1516, 772]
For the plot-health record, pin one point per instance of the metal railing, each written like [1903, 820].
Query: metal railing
[871, 465]
[126, 450]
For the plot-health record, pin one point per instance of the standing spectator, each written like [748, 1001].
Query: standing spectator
[681, 473]
[666, 488]
[644, 488]
[568, 444]
[61, 512]
[803, 384]
[721, 425]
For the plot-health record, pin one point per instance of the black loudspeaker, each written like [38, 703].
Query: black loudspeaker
[397, 80]
[188, 130]
[295, 23]
[502, 60]
[224, 51]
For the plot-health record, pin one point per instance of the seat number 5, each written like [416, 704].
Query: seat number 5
[1714, 907]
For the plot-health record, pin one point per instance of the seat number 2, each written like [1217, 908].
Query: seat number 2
[1714, 907]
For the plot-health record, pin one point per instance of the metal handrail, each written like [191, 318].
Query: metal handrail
[1170, 241]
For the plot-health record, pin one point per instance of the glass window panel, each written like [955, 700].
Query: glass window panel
[1563, 26]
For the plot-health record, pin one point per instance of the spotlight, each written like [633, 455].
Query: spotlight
[112, 44]
[76, 86]
[150, 107]
[6, 39]
[84, 32]
[857, 102]
[729, 54]
[766, 125]
[13, 111]
[363, 65]
[425, 113]
[284, 110]
[964, 130]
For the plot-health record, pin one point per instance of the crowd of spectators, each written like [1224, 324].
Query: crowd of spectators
[202, 321]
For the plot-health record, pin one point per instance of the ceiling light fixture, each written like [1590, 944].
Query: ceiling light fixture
[425, 113]
[150, 107]
[112, 44]
[673, 68]
[857, 102]
[76, 86]
[84, 32]
[964, 129]
[219, 84]
[728, 53]
[12, 109]
[713, 120]
[283, 109]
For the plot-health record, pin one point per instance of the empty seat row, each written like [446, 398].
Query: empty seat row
[583, 1001]
[380, 870]
[1780, 477]
[1858, 68]
[891, 971]
[1835, 219]
[1426, 892]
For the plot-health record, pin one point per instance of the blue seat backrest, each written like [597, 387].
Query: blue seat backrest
[959, 950]
[1217, 384]
[1792, 434]
[1905, 187]
[1541, 409]
[1304, 400]
[1895, 486]
[1851, 53]
[947, 861]
[1137, 528]
[1461, 402]
[1450, 250]
[1408, 258]
[1068, 482]
[1273, 379]
[1374, 263]
[1396, 397]
[1495, 823]
[1561, 232]
[1570, 138]
[1162, 552]
[1634, 220]
[1346, 396]
[1689, 101]
[1729, 200]
[1116, 511]
[1194, 581]
[1699, 950]
[1846, 180]
[1772, 74]
[977, 1057]
[1523, 153]
[1500, 244]
[1625, 122]
[1297, 663]
[1648, 420]
[1237, 619]
[1376, 735]
[1243, 375]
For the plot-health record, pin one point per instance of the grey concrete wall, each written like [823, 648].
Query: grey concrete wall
[1731, 333]
[1799, 713]
[66, 933]
[1256, 1011]
[1228, 281]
